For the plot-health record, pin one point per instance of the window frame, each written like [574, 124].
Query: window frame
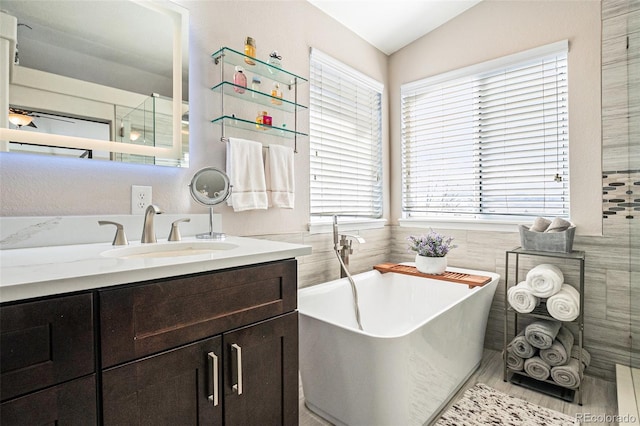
[493, 221]
[374, 161]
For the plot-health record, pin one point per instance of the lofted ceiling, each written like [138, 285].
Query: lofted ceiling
[390, 25]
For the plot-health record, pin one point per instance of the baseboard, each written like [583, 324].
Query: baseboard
[627, 399]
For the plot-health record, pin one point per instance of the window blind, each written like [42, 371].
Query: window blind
[345, 140]
[489, 141]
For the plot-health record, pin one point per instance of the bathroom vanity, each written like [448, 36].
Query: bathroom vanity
[215, 343]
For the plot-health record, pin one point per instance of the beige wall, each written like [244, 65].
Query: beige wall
[493, 29]
[37, 186]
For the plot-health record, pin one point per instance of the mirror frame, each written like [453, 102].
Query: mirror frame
[210, 201]
[180, 18]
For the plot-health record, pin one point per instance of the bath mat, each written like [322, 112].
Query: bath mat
[482, 405]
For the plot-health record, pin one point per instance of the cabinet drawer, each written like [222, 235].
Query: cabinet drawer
[144, 319]
[71, 403]
[44, 343]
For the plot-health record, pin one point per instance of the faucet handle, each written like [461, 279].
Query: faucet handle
[120, 238]
[174, 235]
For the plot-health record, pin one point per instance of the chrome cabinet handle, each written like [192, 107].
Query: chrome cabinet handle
[213, 398]
[238, 359]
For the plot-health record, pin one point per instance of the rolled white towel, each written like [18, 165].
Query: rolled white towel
[521, 298]
[537, 368]
[565, 304]
[545, 280]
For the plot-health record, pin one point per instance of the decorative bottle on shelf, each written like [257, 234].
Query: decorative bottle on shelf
[263, 119]
[255, 86]
[239, 79]
[276, 94]
[250, 50]
[274, 60]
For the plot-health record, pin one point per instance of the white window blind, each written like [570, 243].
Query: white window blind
[345, 140]
[490, 140]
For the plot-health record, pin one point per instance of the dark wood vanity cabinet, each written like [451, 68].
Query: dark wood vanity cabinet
[198, 384]
[47, 362]
[214, 348]
[217, 348]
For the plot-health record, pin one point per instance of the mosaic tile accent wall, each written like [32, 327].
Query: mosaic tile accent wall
[621, 194]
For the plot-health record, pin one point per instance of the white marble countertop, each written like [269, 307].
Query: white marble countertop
[42, 271]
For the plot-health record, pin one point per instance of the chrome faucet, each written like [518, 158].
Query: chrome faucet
[148, 231]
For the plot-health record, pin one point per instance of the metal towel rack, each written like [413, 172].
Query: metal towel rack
[225, 139]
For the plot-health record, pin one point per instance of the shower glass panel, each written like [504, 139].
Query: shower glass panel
[633, 73]
[137, 125]
[150, 124]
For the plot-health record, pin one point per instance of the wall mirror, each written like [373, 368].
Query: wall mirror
[97, 79]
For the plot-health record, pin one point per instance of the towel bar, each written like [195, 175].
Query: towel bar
[225, 139]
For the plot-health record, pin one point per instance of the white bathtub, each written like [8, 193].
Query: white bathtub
[422, 339]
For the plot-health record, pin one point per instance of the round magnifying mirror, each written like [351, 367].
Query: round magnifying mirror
[209, 187]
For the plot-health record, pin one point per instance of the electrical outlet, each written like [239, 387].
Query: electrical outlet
[140, 198]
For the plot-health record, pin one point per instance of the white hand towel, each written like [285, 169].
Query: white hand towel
[280, 177]
[545, 280]
[246, 174]
[521, 298]
[565, 304]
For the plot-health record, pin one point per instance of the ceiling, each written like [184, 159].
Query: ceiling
[390, 25]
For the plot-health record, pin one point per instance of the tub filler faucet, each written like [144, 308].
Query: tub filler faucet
[343, 246]
[148, 230]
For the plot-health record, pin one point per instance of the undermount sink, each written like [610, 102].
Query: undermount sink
[169, 249]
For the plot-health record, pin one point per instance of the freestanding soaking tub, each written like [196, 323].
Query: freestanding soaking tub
[422, 339]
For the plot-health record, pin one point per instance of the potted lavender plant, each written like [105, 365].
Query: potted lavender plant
[431, 251]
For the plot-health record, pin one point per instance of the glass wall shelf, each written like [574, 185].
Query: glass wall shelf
[229, 89]
[262, 68]
[259, 128]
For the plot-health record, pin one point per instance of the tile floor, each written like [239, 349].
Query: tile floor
[599, 396]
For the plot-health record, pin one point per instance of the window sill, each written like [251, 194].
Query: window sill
[346, 225]
[467, 224]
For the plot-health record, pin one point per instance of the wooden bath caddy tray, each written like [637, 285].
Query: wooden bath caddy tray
[456, 277]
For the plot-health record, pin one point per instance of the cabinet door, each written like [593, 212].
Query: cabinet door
[72, 403]
[172, 388]
[261, 373]
[44, 343]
